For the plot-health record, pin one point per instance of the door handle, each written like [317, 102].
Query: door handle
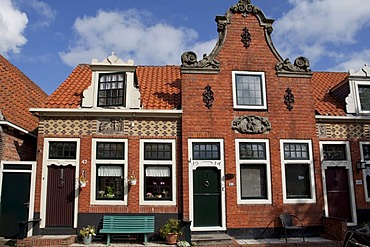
[27, 204]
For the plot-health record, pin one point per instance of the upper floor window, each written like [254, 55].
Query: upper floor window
[249, 90]
[111, 89]
[62, 150]
[364, 97]
[298, 171]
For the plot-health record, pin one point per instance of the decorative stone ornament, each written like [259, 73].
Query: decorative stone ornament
[251, 124]
[289, 99]
[246, 37]
[208, 96]
[245, 7]
[189, 60]
[301, 64]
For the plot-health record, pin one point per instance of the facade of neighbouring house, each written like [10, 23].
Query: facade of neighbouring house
[227, 142]
[18, 140]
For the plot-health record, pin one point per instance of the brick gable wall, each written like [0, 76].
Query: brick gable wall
[200, 122]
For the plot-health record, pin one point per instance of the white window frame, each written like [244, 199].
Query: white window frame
[265, 162]
[263, 86]
[309, 162]
[358, 101]
[171, 163]
[123, 162]
[366, 170]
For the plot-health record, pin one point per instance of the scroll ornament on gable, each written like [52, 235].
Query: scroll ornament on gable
[251, 124]
[301, 64]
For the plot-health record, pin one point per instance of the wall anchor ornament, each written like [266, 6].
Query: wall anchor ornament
[289, 99]
[208, 96]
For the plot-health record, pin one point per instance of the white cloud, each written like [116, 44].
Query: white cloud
[46, 13]
[12, 25]
[316, 28]
[131, 35]
[355, 61]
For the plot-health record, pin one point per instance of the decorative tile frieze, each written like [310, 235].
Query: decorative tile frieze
[340, 131]
[127, 127]
[67, 127]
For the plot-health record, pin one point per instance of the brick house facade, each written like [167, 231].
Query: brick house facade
[18, 140]
[227, 142]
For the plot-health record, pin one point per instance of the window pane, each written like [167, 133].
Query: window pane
[206, 151]
[249, 150]
[366, 151]
[62, 150]
[111, 90]
[109, 182]
[158, 151]
[248, 89]
[297, 181]
[158, 183]
[364, 92]
[253, 181]
[334, 151]
[110, 150]
[296, 151]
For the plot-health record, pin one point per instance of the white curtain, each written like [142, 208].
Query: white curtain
[110, 171]
[157, 171]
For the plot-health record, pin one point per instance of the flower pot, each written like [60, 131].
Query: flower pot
[87, 240]
[133, 182]
[171, 238]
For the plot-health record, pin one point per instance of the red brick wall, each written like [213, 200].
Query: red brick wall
[17, 147]
[201, 122]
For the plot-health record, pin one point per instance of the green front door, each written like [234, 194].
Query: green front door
[15, 198]
[207, 197]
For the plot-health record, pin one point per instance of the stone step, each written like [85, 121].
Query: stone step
[212, 239]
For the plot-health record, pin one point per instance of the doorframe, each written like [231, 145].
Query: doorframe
[46, 163]
[31, 205]
[220, 165]
[340, 163]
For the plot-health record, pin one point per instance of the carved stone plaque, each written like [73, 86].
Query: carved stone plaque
[251, 124]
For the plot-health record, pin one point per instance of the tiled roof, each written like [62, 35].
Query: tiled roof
[326, 104]
[160, 87]
[18, 93]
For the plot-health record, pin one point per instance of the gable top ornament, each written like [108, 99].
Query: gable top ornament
[112, 60]
[244, 7]
[364, 72]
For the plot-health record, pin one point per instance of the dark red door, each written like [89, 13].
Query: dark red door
[60, 196]
[338, 193]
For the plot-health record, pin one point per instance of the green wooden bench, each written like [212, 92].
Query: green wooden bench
[127, 224]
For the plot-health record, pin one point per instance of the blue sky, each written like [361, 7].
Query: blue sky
[46, 39]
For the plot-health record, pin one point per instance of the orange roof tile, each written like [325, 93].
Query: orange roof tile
[326, 104]
[18, 94]
[160, 87]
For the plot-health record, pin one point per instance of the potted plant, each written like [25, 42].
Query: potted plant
[132, 179]
[171, 230]
[83, 181]
[87, 233]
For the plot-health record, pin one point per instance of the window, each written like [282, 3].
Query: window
[249, 90]
[111, 90]
[206, 151]
[62, 150]
[298, 171]
[109, 171]
[158, 185]
[364, 96]
[253, 165]
[334, 151]
[365, 156]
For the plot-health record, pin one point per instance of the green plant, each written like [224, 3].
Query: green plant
[87, 231]
[172, 226]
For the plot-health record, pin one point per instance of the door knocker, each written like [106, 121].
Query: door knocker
[206, 183]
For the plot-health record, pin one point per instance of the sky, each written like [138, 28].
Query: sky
[47, 39]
